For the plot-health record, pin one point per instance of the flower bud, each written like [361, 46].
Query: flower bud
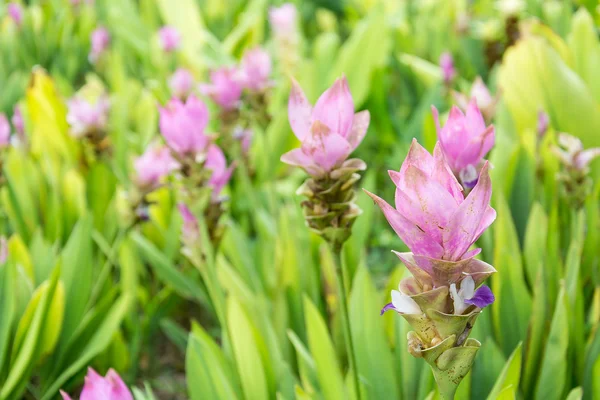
[225, 87]
[183, 126]
[153, 166]
[100, 40]
[447, 66]
[87, 118]
[96, 387]
[15, 11]
[4, 131]
[256, 70]
[169, 38]
[181, 83]
[220, 173]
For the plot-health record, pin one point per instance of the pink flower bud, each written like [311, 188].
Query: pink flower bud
[464, 139]
[256, 70]
[447, 65]
[15, 11]
[190, 230]
[572, 154]
[100, 40]
[181, 83]
[225, 88]
[183, 125]
[85, 117]
[329, 132]
[4, 131]
[482, 95]
[216, 162]
[169, 38]
[96, 387]
[543, 122]
[244, 136]
[153, 166]
[284, 19]
[17, 121]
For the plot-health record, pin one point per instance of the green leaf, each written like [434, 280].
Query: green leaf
[535, 242]
[583, 43]
[510, 375]
[575, 394]
[7, 310]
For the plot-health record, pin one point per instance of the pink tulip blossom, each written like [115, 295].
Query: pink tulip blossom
[435, 221]
[256, 70]
[170, 39]
[183, 125]
[465, 140]
[153, 166]
[329, 132]
[447, 66]
[86, 117]
[181, 83]
[225, 87]
[4, 131]
[100, 40]
[15, 11]
[216, 162]
[96, 387]
[284, 19]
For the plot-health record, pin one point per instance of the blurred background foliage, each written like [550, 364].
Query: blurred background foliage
[79, 287]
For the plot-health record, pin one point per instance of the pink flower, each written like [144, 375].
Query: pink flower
[329, 132]
[4, 131]
[481, 94]
[183, 125]
[216, 162]
[100, 40]
[181, 83]
[256, 70]
[465, 140]
[85, 117]
[17, 121]
[572, 154]
[169, 38]
[244, 136]
[543, 122]
[153, 166]
[283, 19]
[97, 387]
[447, 65]
[225, 88]
[190, 230]
[15, 11]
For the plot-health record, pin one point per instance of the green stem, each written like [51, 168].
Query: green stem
[343, 287]
[446, 388]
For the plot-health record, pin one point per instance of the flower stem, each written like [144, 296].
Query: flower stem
[343, 287]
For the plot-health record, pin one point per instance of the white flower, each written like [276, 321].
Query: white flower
[466, 292]
[404, 304]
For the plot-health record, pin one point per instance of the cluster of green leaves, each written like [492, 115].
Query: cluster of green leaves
[259, 317]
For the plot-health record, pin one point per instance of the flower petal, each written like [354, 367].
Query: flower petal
[443, 174]
[420, 274]
[404, 304]
[335, 108]
[483, 297]
[387, 307]
[326, 148]
[360, 124]
[299, 111]
[475, 149]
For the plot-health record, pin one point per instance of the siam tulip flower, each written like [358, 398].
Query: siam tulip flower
[153, 166]
[465, 140]
[256, 70]
[329, 132]
[225, 88]
[100, 40]
[284, 19]
[17, 121]
[181, 83]
[572, 154]
[4, 131]
[482, 96]
[183, 126]
[169, 38]
[96, 387]
[447, 66]
[286, 35]
[15, 11]
[220, 173]
[87, 118]
[543, 122]
[467, 295]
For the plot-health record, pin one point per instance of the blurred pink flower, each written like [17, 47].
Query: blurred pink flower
[256, 70]
[85, 117]
[181, 83]
[153, 166]
[100, 40]
[4, 131]
[216, 162]
[244, 136]
[190, 230]
[225, 88]
[447, 65]
[465, 140]
[543, 122]
[572, 154]
[283, 19]
[15, 11]
[183, 125]
[97, 387]
[329, 132]
[169, 38]
[17, 121]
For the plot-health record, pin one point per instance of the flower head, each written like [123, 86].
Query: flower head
[329, 131]
[572, 154]
[183, 125]
[447, 65]
[85, 117]
[15, 11]
[4, 131]
[256, 70]
[153, 166]
[465, 140]
[220, 173]
[467, 295]
[283, 19]
[225, 87]
[96, 387]
[100, 40]
[169, 38]
[181, 83]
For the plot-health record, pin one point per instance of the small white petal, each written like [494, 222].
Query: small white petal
[459, 301]
[467, 288]
[404, 304]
